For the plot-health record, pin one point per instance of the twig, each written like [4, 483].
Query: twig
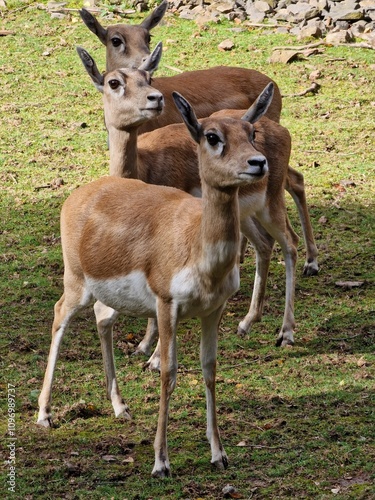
[300, 47]
[173, 68]
[361, 45]
[258, 446]
[314, 87]
[260, 25]
[115, 10]
[347, 338]
[13, 178]
[193, 370]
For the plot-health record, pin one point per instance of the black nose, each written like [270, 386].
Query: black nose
[258, 165]
[156, 97]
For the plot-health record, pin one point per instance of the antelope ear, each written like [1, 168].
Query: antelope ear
[91, 68]
[152, 62]
[260, 106]
[93, 25]
[188, 116]
[155, 17]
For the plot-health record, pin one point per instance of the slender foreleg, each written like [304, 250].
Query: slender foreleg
[167, 321]
[208, 354]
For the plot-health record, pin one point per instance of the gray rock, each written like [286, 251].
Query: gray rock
[339, 37]
[310, 31]
[262, 6]
[301, 11]
[254, 14]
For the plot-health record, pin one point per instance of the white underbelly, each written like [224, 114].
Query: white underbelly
[129, 294]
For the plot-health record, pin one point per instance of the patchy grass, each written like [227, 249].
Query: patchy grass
[303, 416]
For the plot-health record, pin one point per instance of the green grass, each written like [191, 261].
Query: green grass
[304, 415]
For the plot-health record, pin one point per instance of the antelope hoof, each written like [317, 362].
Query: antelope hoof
[160, 473]
[310, 268]
[139, 352]
[45, 422]
[153, 364]
[281, 342]
[124, 413]
[241, 332]
[221, 463]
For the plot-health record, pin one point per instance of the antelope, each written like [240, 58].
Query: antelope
[128, 42]
[168, 156]
[147, 250]
[208, 90]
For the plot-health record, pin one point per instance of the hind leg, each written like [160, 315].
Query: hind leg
[263, 245]
[105, 318]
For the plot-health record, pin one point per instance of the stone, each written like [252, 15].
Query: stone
[226, 45]
[225, 8]
[345, 11]
[262, 6]
[310, 31]
[302, 11]
[339, 37]
[255, 15]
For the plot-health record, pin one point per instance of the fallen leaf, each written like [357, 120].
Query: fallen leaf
[323, 220]
[361, 362]
[242, 443]
[348, 285]
[109, 458]
[279, 422]
[231, 492]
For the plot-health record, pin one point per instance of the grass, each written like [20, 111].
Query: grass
[296, 423]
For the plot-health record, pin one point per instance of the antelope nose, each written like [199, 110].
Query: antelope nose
[157, 98]
[257, 165]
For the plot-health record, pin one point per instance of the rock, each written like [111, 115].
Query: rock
[345, 11]
[225, 8]
[324, 15]
[310, 31]
[262, 6]
[302, 11]
[254, 14]
[226, 45]
[339, 37]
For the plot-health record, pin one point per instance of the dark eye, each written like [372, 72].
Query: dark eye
[116, 41]
[114, 84]
[252, 136]
[212, 139]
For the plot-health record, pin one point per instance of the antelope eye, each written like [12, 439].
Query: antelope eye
[252, 136]
[114, 84]
[116, 41]
[212, 139]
